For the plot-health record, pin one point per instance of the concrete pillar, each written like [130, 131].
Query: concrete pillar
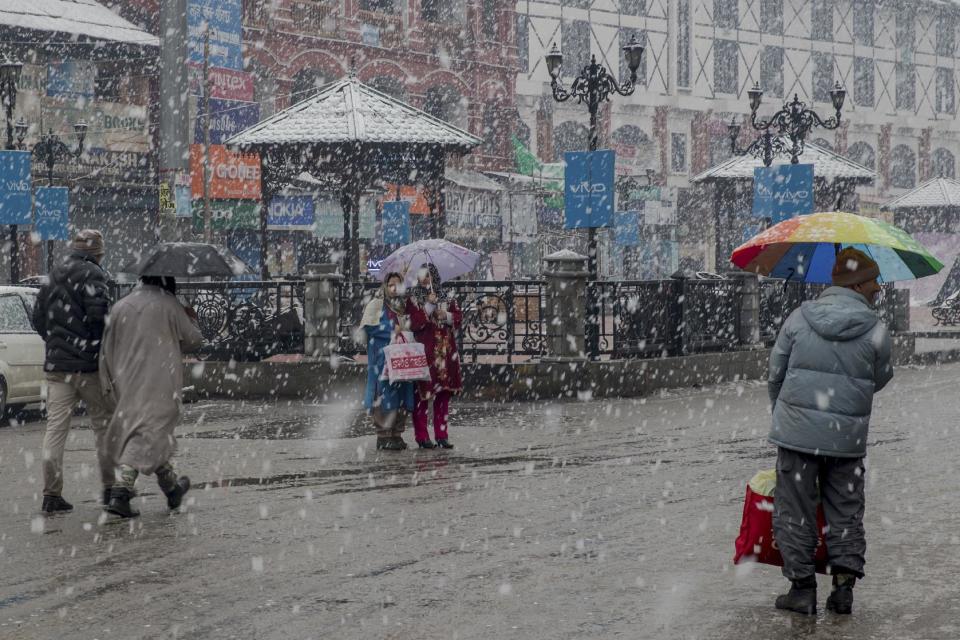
[566, 275]
[901, 311]
[321, 311]
[749, 307]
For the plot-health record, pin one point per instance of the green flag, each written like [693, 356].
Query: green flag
[527, 163]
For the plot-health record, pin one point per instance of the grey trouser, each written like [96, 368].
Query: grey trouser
[389, 424]
[804, 480]
[64, 390]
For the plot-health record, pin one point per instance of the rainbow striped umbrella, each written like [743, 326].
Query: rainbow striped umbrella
[805, 248]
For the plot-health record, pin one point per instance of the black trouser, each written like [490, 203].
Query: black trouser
[803, 481]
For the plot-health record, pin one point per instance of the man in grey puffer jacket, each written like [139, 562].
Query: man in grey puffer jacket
[831, 356]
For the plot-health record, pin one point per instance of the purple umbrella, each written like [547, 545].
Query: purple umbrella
[451, 260]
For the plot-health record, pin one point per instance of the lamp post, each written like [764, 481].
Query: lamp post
[792, 124]
[49, 150]
[9, 79]
[593, 86]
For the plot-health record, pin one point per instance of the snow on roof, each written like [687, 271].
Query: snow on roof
[826, 164]
[350, 111]
[85, 18]
[939, 192]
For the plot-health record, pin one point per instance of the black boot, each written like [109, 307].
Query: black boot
[840, 599]
[392, 444]
[55, 504]
[399, 441]
[443, 443]
[426, 444]
[105, 499]
[802, 597]
[382, 442]
[175, 495]
[120, 498]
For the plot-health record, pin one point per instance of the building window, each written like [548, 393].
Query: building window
[577, 4]
[625, 35]
[906, 88]
[726, 14]
[771, 71]
[379, 6]
[442, 11]
[678, 152]
[569, 136]
[771, 16]
[906, 27]
[254, 11]
[523, 133]
[863, 77]
[822, 76]
[446, 103]
[945, 94]
[491, 16]
[726, 65]
[489, 132]
[944, 164]
[863, 154]
[108, 83]
[306, 84]
[863, 22]
[575, 43]
[683, 43]
[633, 7]
[390, 86]
[946, 34]
[903, 167]
[523, 42]
[821, 20]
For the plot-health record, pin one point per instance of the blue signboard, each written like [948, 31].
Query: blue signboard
[396, 222]
[184, 201]
[291, 212]
[75, 79]
[783, 191]
[627, 229]
[227, 117]
[52, 213]
[15, 187]
[588, 189]
[223, 19]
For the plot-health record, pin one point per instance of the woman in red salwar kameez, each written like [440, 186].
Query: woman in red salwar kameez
[435, 319]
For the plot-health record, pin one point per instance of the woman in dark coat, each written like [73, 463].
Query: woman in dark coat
[435, 318]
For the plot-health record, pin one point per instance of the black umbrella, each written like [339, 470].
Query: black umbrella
[187, 260]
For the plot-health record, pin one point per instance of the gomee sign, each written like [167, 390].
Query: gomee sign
[588, 189]
[15, 187]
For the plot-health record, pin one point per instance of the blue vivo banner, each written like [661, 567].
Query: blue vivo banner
[15, 187]
[291, 212]
[627, 229]
[396, 222]
[588, 189]
[783, 191]
[227, 117]
[52, 213]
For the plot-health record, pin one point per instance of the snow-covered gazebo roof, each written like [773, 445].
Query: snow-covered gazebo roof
[84, 19]
[349, 111]
[938, 193]
[826, 164]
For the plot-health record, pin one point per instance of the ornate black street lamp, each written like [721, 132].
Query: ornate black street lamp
[9, 80]
[49, 150]
[791, 123]
[593, 86]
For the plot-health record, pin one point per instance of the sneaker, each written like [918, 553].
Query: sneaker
[175, 497]
[120, 503]
[444, 444]
[840, 599]
[393, 445]
[382, 443]
[55, 504]
[426, 444]
[802, 597]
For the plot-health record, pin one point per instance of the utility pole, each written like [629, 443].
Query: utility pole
[207, 216]
[174, 100]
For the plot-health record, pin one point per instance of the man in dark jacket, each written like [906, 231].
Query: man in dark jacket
[70, 314]
[831, 356]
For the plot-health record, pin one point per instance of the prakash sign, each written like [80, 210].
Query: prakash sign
[233, 175]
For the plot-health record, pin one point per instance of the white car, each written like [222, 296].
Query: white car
[21, 350]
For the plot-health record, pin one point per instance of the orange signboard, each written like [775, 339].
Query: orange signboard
[418, 201]
[233, 175]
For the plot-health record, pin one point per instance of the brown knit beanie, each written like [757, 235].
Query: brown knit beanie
[854, 267]
[90, 241]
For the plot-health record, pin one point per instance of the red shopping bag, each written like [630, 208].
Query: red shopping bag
[405, 361]
[755, 542]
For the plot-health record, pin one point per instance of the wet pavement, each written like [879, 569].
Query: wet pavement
[603, 519]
